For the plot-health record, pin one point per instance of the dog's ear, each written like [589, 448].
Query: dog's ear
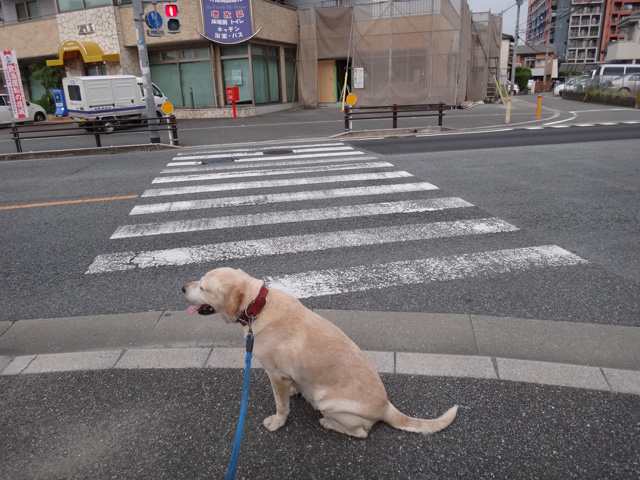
[233, 301]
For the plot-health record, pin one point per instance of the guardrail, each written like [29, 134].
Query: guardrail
[96, 128]
[394, 112]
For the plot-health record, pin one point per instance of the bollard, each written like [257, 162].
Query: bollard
[16, 137]
[539, 107]
[507, 118]
[395, 115]
[440, 113]
[347, 122]
[173, 130]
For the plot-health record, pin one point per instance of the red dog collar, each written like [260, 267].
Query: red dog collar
[253, 310]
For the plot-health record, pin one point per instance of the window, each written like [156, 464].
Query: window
[71, 5]
[74, 93]
[530, 62]
[27, 11]
[184, 76]
[266, 73]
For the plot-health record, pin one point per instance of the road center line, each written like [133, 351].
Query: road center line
[68, 202]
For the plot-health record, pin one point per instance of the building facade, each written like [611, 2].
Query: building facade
[276, 53]
[617, 10]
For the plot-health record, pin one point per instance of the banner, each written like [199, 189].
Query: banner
[227, 21]
[14, 84]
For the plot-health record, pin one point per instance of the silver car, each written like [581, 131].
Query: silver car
[627, 84]
[35, 113]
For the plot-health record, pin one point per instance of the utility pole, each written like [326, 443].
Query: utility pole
[515, 47]
[138, 14]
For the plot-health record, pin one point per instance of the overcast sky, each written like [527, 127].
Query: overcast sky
[508, 17]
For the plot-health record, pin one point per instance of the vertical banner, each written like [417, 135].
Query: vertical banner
[14, 83]
[227, 21]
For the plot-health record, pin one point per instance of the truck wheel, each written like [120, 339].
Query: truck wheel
[108, 126]
[625, 90]
[39, 117]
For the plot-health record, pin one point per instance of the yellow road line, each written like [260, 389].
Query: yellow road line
[67, 202]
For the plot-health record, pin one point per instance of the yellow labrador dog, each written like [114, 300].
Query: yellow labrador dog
[303, 352]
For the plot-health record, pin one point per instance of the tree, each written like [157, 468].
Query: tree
[523, 74]
[50, 79]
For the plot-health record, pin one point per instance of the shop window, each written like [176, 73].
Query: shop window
[266, 73]
[184, 76]
[27, 11]
[237, 73]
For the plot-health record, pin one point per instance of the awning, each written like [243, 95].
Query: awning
[90, 51]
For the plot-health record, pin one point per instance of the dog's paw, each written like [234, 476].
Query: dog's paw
[293, 392]
[274, 422]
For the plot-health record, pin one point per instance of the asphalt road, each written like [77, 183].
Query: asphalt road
[579, 201]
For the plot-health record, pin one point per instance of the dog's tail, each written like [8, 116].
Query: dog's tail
[399, 420]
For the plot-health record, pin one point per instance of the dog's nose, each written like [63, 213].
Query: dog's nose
[184, 289]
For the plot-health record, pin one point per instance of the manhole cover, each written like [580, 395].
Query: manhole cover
[278, 151]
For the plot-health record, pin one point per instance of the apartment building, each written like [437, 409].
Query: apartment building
[585, 31]
[616, 11]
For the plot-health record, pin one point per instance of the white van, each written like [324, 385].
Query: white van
[615, 69]
[112, 99]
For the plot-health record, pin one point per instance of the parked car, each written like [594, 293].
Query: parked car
[516, 88]
[557, 90]
[36, 112]
[627, 84]
[577, 84]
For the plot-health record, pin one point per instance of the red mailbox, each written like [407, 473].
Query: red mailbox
[233, 94]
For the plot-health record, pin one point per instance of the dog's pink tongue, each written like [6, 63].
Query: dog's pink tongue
[193, 308]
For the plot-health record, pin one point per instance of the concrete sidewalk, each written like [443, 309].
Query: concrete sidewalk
[599, 357]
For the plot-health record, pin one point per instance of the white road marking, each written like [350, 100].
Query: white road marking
[369, 277]
[262, 247]
[534, 128]
[195, 167]
[269, 172]
[269, 218]
[356, 177]
[560, 126]
[196, 159]
[281, 197]
[231, 151]
[585, 125]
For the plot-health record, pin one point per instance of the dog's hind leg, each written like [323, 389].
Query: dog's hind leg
[281, 390]
[348, 424]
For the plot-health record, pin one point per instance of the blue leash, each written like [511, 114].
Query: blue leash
[233, 463]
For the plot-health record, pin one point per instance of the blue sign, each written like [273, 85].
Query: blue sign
[227, 21]
[153, 19]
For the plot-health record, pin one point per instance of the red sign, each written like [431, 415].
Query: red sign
[14, 84]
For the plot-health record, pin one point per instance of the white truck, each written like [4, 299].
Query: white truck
[112, 99]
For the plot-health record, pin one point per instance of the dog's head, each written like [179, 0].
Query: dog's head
[219, 291]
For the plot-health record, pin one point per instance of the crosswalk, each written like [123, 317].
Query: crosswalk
[250, 204]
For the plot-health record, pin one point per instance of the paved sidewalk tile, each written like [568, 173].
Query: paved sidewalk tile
[18, 364]
[4, 361]
[384, 362]
[230, 358]
[444, 365]
[164, 358]
[623, 381]
[578, 376]
[69, 362]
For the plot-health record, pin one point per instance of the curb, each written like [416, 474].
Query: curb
[569, 354]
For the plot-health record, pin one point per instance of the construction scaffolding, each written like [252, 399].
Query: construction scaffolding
[403, 52]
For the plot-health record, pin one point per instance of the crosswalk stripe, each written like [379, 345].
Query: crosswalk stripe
[281, 197]
[357, 177]
[262, 173]
[269, 218]
[232, 151]
[194, 160]
[262, 247]
[196, 167]
[454, 267]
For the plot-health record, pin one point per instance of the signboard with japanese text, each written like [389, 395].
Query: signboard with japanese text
[14, 84]
[227, 21]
